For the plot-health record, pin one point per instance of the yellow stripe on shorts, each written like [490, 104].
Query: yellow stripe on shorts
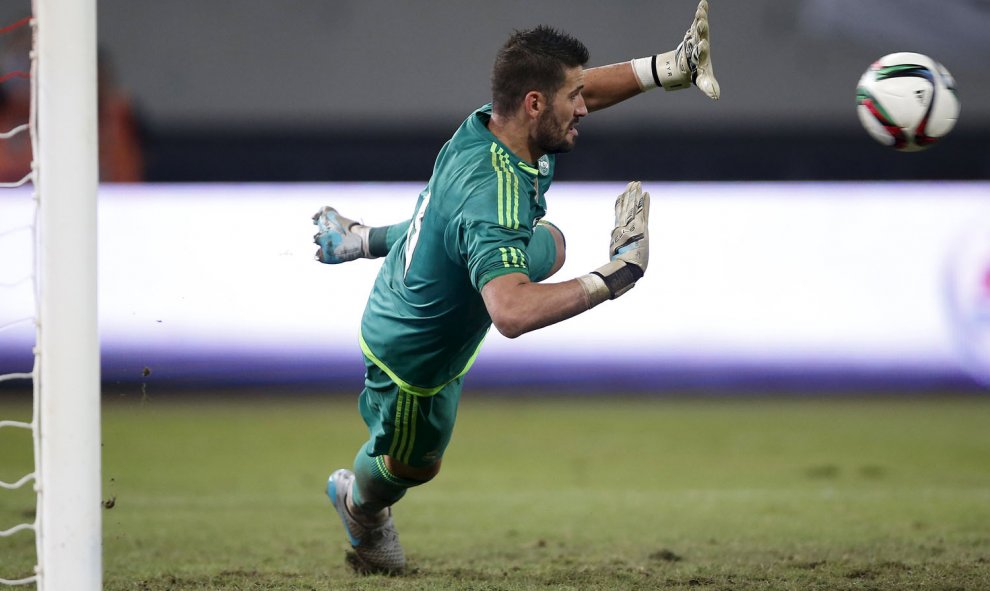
[404, 436]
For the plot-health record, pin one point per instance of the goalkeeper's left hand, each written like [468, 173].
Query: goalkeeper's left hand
[629, 249]
[340, 239]
[631, 236]
[690, 62]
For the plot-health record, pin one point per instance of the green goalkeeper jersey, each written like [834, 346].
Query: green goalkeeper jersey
[425, 318]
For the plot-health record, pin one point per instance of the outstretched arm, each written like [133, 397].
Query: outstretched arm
[690, 63]
[517, 305]
[342, 239]
[605, 86]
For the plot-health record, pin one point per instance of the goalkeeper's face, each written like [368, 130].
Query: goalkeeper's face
[556, 129]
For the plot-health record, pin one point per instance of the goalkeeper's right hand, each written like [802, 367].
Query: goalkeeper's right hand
[340, 239]
[629, 249]
[689, 63]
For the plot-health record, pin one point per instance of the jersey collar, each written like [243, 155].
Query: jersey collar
[480, 120]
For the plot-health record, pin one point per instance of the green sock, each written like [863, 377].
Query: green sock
[375, 487]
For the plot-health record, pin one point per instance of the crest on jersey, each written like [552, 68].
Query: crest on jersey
[544, 165]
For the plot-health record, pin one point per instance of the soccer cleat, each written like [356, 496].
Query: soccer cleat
[694, 53]
[376, 545]
[340, 239]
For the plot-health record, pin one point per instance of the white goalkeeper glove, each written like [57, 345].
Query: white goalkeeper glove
[690, 62]
[629, 249]
[340, 239]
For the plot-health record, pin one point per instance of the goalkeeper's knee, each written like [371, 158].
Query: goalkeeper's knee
[381, 481]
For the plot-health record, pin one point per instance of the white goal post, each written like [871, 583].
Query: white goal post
[69, 535]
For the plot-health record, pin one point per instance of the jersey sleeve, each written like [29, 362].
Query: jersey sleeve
[382, 238]
[494, 251]
[541, 252]
[487, 244]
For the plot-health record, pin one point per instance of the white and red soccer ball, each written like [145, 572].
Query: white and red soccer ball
[907, 101]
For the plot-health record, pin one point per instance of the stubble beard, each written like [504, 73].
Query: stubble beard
[551, 135]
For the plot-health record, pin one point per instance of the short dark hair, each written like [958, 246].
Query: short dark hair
[533, 59]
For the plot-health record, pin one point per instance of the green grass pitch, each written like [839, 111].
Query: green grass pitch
[593, 492]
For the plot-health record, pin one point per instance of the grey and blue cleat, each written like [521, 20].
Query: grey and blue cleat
[375, 541]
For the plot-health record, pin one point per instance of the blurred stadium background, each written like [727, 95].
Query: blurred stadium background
[316, 91]
[793, 255]
[793, 251]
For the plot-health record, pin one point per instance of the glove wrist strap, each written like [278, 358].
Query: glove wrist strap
[645, 72]
[595, 290]
[660, 70]
[618, 277]
[364, 233]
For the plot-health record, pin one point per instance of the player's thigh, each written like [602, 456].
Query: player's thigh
[413, 430]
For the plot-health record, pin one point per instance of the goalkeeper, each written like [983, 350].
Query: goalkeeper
[473, 255]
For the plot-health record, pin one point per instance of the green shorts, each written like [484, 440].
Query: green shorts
[414, 430]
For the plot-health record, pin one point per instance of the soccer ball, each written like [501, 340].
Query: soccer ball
[907, 101]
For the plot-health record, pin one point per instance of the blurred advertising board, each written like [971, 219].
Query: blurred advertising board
[751, 283]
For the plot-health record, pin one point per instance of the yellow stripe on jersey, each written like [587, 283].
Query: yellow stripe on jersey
[498, 174]
[405, 386]
[528, 168]
[515, 201]
[508, 188]
[512, 257]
